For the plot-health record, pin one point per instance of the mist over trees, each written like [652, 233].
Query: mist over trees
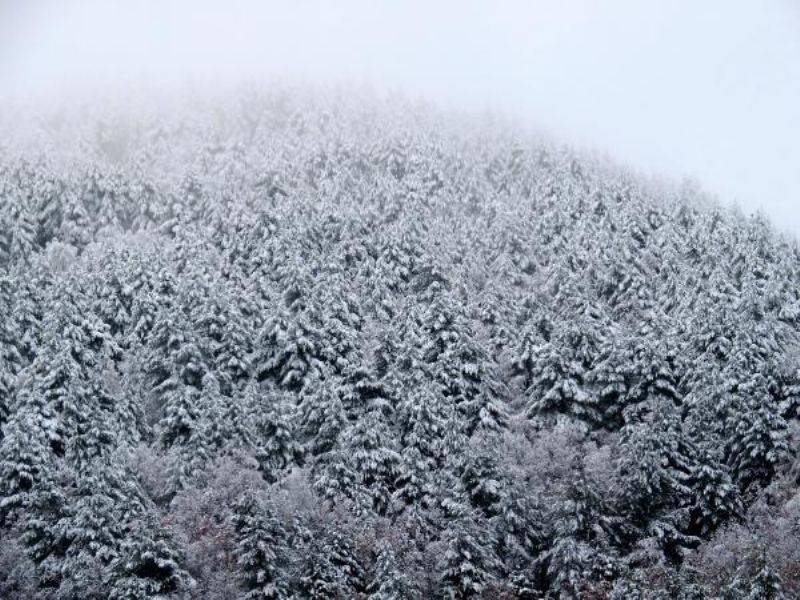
[312, 345]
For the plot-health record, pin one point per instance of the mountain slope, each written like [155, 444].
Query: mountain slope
[295, 344]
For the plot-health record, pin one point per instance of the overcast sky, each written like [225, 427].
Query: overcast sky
[708, 89]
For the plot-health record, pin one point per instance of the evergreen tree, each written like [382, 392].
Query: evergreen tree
[366, 466]
[483, 481]
[278, 448]
[757, 444]
[221, 322]
[287, 351]
[18, 230]
[560, 376]
[468, 564]
[11, 360]
[87, 532]
[578, 553]
[330, 567]
[715, 497]
[322, 415]
[766, 585]
[148, 565]
[261, 550]
[524, 362]
[421, 447]
[656, 465]
[389, 582]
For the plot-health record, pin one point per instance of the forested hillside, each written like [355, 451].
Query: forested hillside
[298, 345]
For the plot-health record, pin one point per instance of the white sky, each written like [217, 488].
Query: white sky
[708, 89]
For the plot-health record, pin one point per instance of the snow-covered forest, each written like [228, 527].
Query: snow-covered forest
[296, 344]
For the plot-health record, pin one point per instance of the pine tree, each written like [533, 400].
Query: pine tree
[92, 525]
[520, 530]
[261, 550]
[656, 464]
[17, 231]
[25, 461]
[756, 580]
[482, 477]
[330, 566]
[181, 416]
[757, 443]
[524, 357]
[578, 551]
[655, 371]
[766, 585]
[11, 360]
[421, 447]
[366, 466]
[458, 365]
[65, 385]
[715, 497]
[275, 436]
[468, 564]
[614, 377]
[173, 357]
[389, 583]
[322, 415]
[287, 351]
[44, 540]
[148, 565]
[560, 375]
[338, 320]
[194, 424]
[222, 324]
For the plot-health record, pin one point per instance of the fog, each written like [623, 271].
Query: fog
[708, 90]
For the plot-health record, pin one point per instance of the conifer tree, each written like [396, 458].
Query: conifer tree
[330, 566]
[757, 443]
[560, 376]
[148, 565]
[389, 582]
[288, 352]
[11, 360]
[421, 447]
[275, 436]
[26, 460]
[468, 562]
[366, 466]
[261, 550]
[322, 415]
[656, 465]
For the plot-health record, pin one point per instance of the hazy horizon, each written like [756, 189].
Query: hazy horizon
[707, 92]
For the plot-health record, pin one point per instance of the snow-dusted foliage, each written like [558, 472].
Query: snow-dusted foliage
[296, 345]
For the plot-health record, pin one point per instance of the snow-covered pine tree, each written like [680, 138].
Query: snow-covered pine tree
[322, 415]
[226, 334]
[482, 475]
[560, 376]
[148, 564]
[262, 551]
[26, 459]
[330, 567]
[655, 466]
[77, 539]
[757, 443]
[367, 465]
[421, 439]
[389, 581]
[274, 434]
[11, 360]
[468, 564]
[17, 230]
[287, 351]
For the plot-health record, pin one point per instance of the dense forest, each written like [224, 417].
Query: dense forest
[317, 344]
